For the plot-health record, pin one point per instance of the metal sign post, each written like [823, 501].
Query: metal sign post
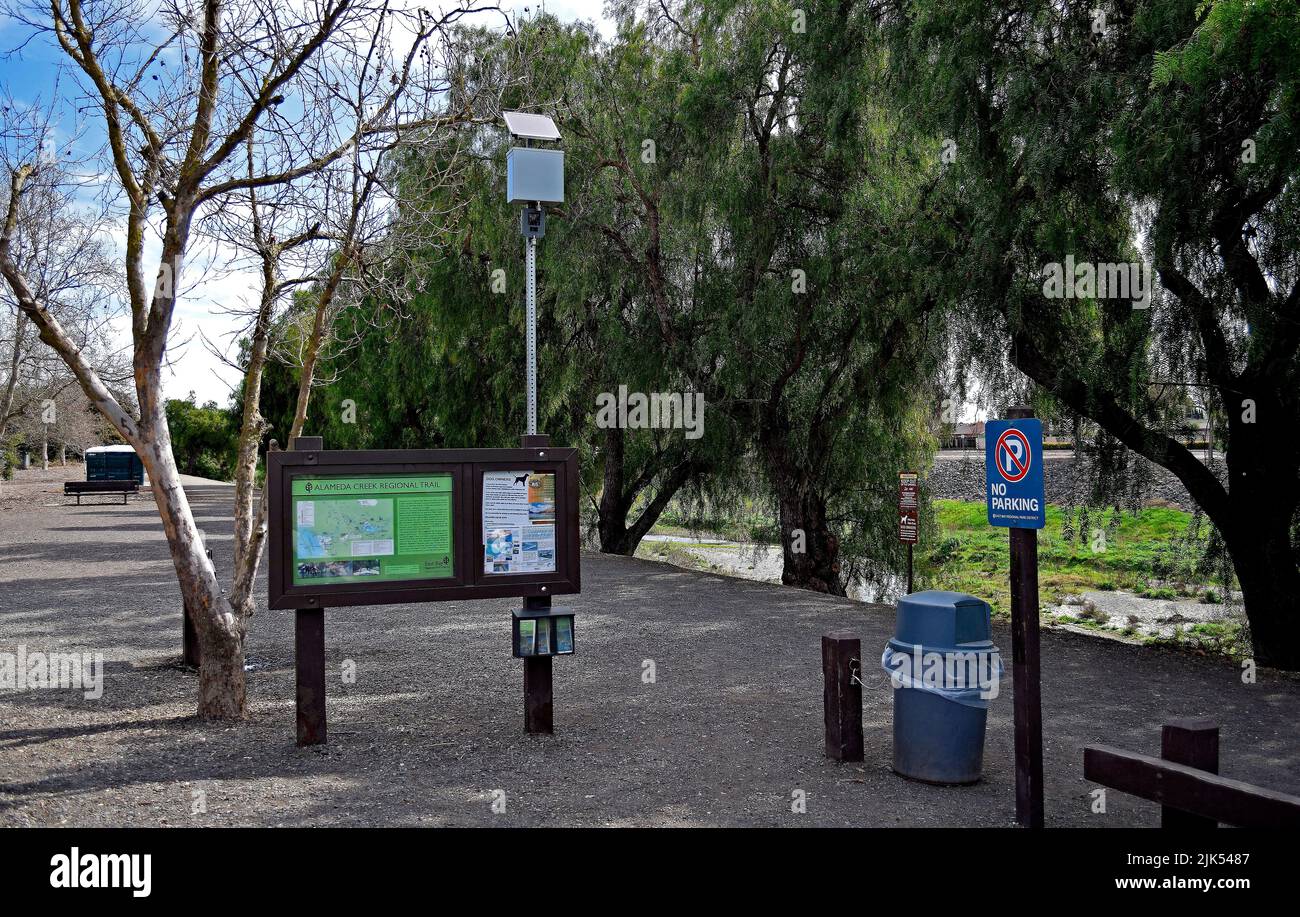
[535, 176]
[1014, 474]
[531, 334]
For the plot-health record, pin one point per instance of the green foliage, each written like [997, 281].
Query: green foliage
[205, 438]
[694, 195]
[9, 459]
[1167, 138]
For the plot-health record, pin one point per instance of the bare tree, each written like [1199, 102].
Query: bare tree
[330, 243]
[62, 246]
[178, 111]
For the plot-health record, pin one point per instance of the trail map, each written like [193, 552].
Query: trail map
[381, 528]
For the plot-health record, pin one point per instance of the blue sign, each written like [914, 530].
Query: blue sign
[1013, 473]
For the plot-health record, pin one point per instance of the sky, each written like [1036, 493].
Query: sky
[27, 75]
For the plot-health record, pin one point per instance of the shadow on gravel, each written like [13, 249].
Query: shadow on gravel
[725, 732]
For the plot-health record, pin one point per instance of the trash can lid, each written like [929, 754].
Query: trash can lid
[942, 619]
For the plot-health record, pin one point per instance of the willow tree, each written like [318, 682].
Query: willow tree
[827, 350]
[1161, 134]
[615, 282]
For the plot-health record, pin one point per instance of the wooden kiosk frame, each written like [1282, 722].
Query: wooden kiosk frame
[468, 580]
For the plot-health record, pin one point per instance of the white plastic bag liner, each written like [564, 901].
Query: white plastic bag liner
[899, 666]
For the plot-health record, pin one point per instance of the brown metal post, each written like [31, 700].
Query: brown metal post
[309, 663]
[909, 568]
[1026, 677]
[309, 648]
[1194, 742]
[539, 711]
[842, 695]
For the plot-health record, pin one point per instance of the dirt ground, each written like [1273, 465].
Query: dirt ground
[431, 731]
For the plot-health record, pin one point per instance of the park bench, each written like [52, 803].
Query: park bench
[78, 488]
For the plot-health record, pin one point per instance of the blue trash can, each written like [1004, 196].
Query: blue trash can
[945, 670]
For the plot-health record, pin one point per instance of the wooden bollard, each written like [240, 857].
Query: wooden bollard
[1194, 742]
[842, 695]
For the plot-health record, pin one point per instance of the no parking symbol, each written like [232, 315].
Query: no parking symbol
[1013, 455]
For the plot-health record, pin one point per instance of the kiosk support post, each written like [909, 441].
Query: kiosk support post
[309, 649]
[1026, 676]
[539, 717]
[309, 662]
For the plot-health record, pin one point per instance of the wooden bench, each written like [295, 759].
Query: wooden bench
[78, 488]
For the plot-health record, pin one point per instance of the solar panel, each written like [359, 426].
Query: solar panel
[531, 127]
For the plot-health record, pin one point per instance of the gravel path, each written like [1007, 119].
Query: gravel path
[432, 726]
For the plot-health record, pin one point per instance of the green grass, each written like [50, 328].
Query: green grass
[1150, 553]
[1142, 555]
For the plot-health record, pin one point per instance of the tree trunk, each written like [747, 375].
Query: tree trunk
[1270, 587]
[250, 512]
[221, 635]
[817, 565]
[15, 363]
[617, 536]
[1257, 527]
[810, 549]
[611, 513]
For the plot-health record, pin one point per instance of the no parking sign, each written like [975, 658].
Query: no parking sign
[1013, 473]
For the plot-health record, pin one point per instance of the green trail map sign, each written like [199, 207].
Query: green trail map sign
[371, 529]
[397, 526]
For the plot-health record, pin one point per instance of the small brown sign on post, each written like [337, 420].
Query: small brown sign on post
[909, 504]
[909, 515]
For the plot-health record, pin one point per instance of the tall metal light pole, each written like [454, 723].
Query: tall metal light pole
[534, 176]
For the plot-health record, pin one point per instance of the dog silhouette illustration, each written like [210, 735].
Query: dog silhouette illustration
[522, 479]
